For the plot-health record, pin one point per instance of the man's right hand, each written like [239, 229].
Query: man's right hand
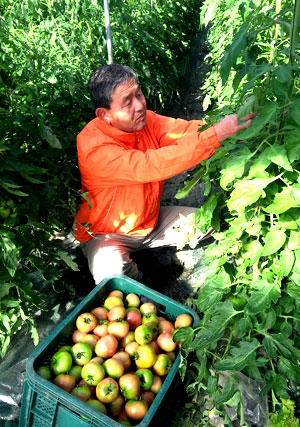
[229, 126]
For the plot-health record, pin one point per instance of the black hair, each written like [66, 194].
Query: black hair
[103, 81]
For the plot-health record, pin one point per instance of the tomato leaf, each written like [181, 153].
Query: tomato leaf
[262, 297]
[281, 202]
[203, 215]
[241, 356]
[274, 240]
[68, 260]
[287, 259]
[255, 250]
[278, 155]
[9, 254]
[278, 344]
[247, 192]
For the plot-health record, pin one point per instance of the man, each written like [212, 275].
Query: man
[124, 156]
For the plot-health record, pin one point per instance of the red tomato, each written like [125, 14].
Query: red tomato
[132, 300]
[86, 322]
[82, 392]
[162, 365]
[113, 367]
[118, 329]
[66, 382]
[92, 373]
[116, 313]
[81, 353]
[130, 386]
[102, 328]
[143, 334]
[91, 340]
[136, 409]
[149, 396]
[145, 356]
[156, 385]
[148, 307]
[134, 319]
[183, 320]
[107, 390]
[124, 358]
[106, 346]
[165, 326]
[115, 407]
[116, 293]
[155, 346]
[100, 313]
[78, 336]
[165, 341]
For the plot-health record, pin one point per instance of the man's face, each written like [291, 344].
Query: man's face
[128, 108]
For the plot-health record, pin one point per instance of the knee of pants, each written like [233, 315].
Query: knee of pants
[109, 260]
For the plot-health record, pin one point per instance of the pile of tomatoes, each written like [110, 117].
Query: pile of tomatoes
[121, 353]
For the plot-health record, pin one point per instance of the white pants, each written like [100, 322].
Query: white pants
[111, 253]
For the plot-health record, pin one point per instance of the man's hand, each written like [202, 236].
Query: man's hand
[229, 126]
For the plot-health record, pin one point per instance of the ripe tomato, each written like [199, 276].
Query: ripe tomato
[102, 328]
[136, 409]
[145, 356]
[106, 346]
[82, 392]
[132, 300]
[118, 328]
[44, 372]
[113, 367]
[75, 371]
[156, 385]
[162, 365]
[100, 313]
[115, 407]
[86, 322]
[96, 404]
[91, 340]
[149, 396]
[131, 348]
[126, 340]
[97, 359]
[134, 319]
[183, 320]
[116, 313]
[116, 293]
[155, 346]
[148, 307]
[107, 390]
[146, 378]
[143, 334]
[66, 382]
[92, 373]
[165, 341]
[78, 336]
[130, 386]
[61, 362]
[81, 353]
[165, 326]
[124, 358]
[112, 301]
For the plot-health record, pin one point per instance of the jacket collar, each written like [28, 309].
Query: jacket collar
[128, 138]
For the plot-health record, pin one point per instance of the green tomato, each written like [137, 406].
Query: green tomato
[146, 378]
[92, 373]
[44, 372]
[238, 302]
[61, 362]
[81, 353]
[143, 334]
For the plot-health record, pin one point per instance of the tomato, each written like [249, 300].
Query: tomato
[126, 340]
[154, 328]
[112, 301]
[66, 348]
[107, 390]
[132, 300]
[82, 392]
[133, 309]
[162, 365]
[183, 320]
[75, 371]
[171, 355]
[115, 407]
[118, 328]
[86, 322]
[91, 387]
[131, 348]
[146, 378]
[116, 293]
[148, 307]
[91, 340]
[97, 359]
[156, 385]
[155, 346]
[66, 382]
[78, 336]
[92, 373]
[145, 356]
[122, 417]
[106, 346]
[102, 328]
[136, 409]
[238, 302]
[116, 313]
[130, 386]
[114, 368]
[165, 326]
[149, 396]
[125, 422]
[61, 362]
[4, 212]
[143, 334]
[100, 313]
[134, 319]
[165, 341]
[44, 372]
[81, 353]
[124, 358]
[150, 318]
[96, 404]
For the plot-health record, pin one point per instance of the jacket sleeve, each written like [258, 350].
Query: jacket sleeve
[110, 164]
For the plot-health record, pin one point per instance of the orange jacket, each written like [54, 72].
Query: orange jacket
[123, 173]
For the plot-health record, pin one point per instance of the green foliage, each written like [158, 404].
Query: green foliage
[256, 255]
[48, 51]
[286, 415]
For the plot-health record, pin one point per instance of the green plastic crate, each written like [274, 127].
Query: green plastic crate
[44, 404]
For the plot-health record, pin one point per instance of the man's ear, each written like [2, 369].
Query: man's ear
[103, 114]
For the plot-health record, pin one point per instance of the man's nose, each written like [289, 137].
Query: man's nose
[138, 104]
